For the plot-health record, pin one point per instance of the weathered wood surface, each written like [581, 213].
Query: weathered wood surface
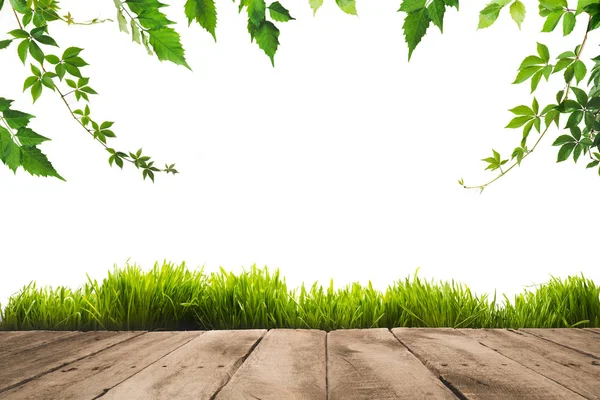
[371, 364]
[14, 342]
[595, 330]
[406, 363]
[576, 339]
[565, 366]
[36, 361]
[195, 371]
[286, 364]
[92, 376]
[478, 372]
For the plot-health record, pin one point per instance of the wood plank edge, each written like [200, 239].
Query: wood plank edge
[24, 381]
[455, 391]
[592, 330]
[240, 363]
[519, 331]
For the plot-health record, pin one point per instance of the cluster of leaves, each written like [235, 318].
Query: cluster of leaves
[18, 142]
[583, 109]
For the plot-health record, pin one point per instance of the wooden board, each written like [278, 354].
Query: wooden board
[576, 339]
[594, 330]
[476, 371]
[287, 364]
[13, 342]
[565, 366]
[40, 360]
[195, 371]
[93, 376]
[371, 364]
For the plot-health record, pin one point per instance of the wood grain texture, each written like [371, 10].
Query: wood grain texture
[39, 360]
[370, 364]
[594, 330]
[194, 371]
[94, 375]
[14, 342]
[577, 339]
[287, 364]
[476, 371]
[565, 366]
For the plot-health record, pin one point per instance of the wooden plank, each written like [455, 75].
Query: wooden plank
[37, 361]
[195, 371]
[565, 366]
[576, 339]
[594, 330]
[476, 371]
[93, 376]
[371, 364]
[287, 364]
[14, 342]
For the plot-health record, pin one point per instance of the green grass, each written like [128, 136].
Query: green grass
[172, 297]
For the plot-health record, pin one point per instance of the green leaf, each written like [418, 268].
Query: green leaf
[552, 20]
[530, 61]
[415, 26]
[122, 22]
[71, 52]
[436, 11]
[20, 6]
[267, 39]
[23, 49]
[577, 152]
[518, 122]
[347, 6]
[409, 6]
[592, 164]
[256, 11]
[27, 137]
[19, 34]
[16, 119]
[526, 73]
[36, 52]
[166, 45]
[279, 12]
[489, 15]
[581, 4]
[575, 119]
[569, 73]
[36, 90]
[36, 163]
[315, 5]
[11, 152]
[580, 70]
[553, 4]
[581, 96]
[535, 80]
[522, 110]
[562, 64]
[204, 12]
[517, 12]
[29, 82]
[563, 139]
[565, 151]
[543, 51]
[568, 23]
[4, 104]
[47, 40]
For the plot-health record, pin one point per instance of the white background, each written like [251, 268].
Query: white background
[341, 162]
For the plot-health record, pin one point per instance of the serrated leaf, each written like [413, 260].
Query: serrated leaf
[579, 70]
[256, 11]
[27, 137]
[11, 152]
[347, 6]
[36, 163]
[552, 20]
[166, 45]
[581, 96]
[23, 50]
[409, 6]
[279, 13]
[535, 80]
[436, 11]
[518, 121]
[522, 110]
[16, 119]
[531, 61]
[204, 12]
[36, 52]
[593, 164]
[565, 151]
[568, 23]
[489, 15]
[5, 43]
[267, 38]
[543, 51]
[575, 119]
[563, 139]
[315, 5]
[20, 6]
[517, 12]
[36, 90]
[415, 25]
[526, 73]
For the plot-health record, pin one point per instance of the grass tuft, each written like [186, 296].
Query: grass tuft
[171, 297]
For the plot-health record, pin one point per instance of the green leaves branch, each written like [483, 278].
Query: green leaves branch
[18, 142]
